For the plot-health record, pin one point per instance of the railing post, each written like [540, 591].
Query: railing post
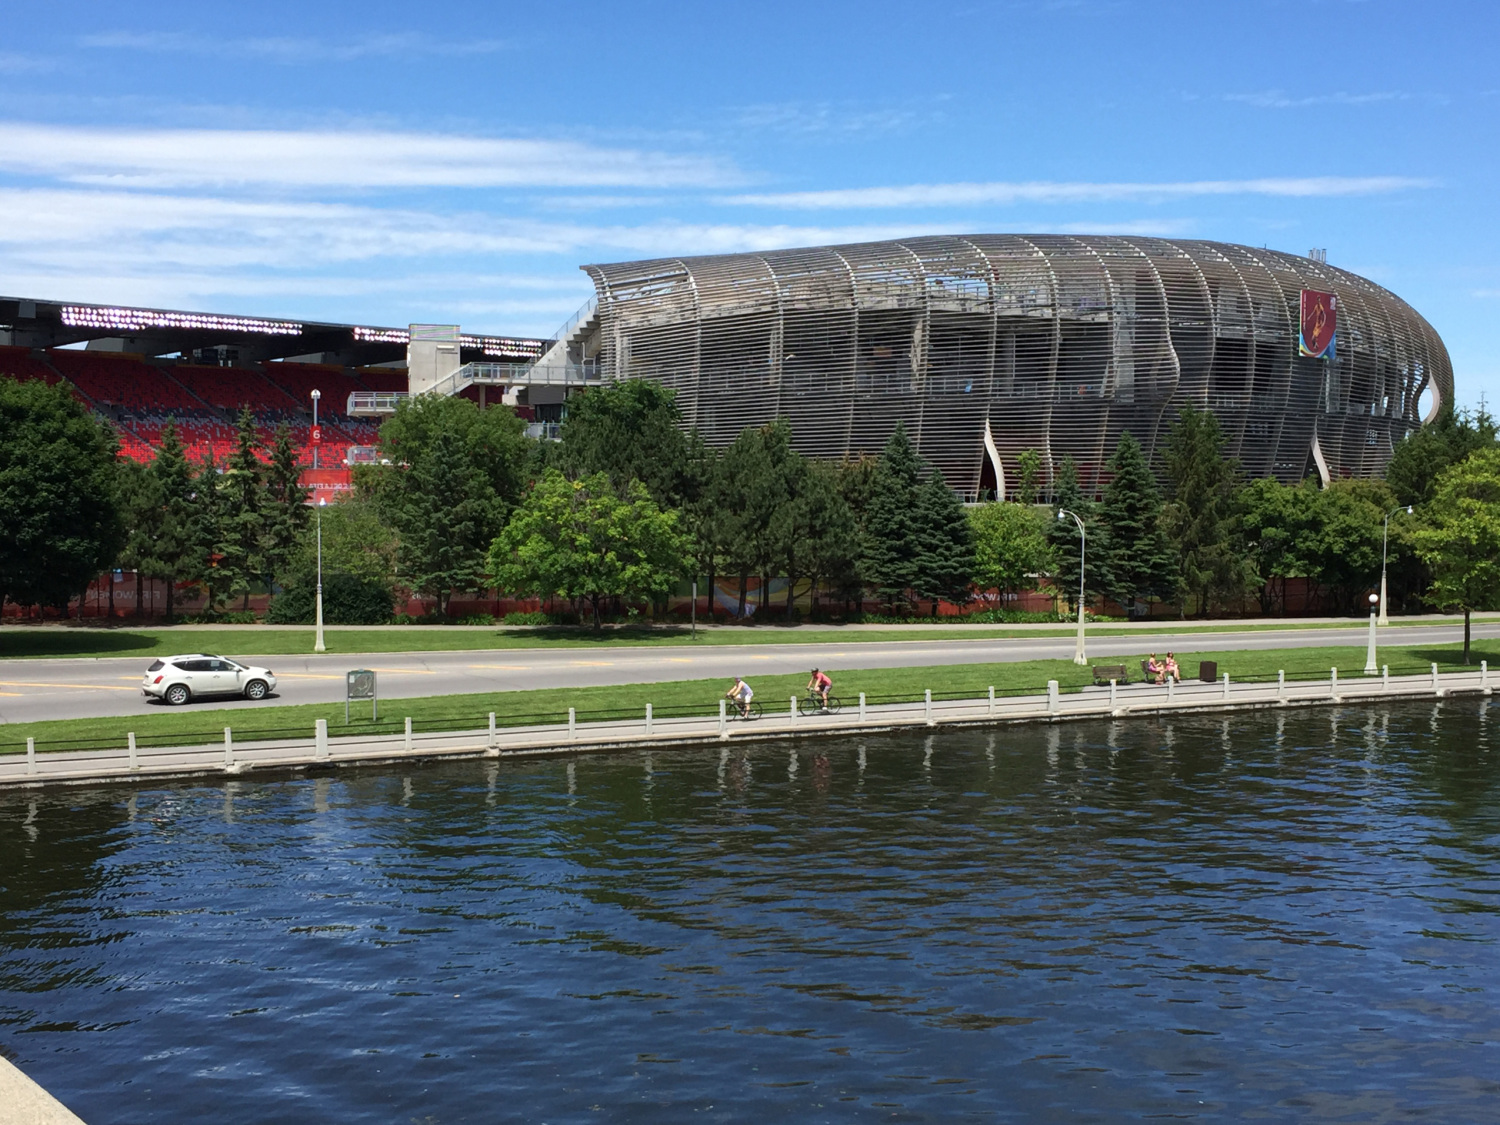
[794, 709]
[1385, 679]
[572, 725]
[1171, 687]
[31, 755]
[320, 740]
[1052, 700]
[724, 719]
[648, 718]
[407, 745]
[992, 699]
[1112, 686]
[1226, 685]
[130, 747]
[1484, 677]
[228, 749]
[494, 738]
[861, 706]
[927, 705]
[1281, 685]
[1436, 690]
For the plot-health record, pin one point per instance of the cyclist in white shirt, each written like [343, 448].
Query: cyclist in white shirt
[739, 692]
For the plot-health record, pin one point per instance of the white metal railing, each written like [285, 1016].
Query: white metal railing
[546, 431]
[365, 403]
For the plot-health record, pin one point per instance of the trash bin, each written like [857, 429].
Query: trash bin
[1208, 671]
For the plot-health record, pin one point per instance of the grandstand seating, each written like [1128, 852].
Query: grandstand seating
[137, 397]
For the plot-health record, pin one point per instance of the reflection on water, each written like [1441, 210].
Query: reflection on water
[1284, 914]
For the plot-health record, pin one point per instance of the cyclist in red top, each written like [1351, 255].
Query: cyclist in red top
[819, 686]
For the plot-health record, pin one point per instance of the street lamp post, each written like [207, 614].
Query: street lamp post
[316, 394]
[1079, 656]
[318, 645]
[1385, 535]
[1371, 669]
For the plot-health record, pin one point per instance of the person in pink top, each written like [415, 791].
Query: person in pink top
[819, 686]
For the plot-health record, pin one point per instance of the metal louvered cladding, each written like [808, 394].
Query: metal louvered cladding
[1057, 343]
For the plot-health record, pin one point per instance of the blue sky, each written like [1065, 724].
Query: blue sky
[389, 163]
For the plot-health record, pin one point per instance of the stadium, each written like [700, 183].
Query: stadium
[983, 346]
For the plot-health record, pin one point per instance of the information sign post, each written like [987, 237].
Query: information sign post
[360, 684]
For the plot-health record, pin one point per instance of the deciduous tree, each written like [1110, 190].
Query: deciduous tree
[1010, 547]
[59, 518]
[583, 540]
[1459, 536]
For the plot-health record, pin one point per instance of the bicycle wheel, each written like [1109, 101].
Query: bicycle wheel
[755, 709]
[835, 705]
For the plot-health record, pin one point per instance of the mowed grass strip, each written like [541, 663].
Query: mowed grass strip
[203, 725]
[61, 641]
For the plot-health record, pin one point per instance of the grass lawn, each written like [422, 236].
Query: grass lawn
[34, 641]
[192, 726]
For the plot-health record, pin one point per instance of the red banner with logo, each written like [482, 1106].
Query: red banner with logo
[1320, 324]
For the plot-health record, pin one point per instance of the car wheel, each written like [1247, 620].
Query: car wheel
[178, 694]
[256, 689]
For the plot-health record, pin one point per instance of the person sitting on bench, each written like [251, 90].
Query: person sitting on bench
[1156, 670]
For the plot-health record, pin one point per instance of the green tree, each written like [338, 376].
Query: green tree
[1029, 475]
[1010, 547]
[1422, 456]
[1277, 528]
[141, 513]
[1064, 542]
[492, 441]
[1459, 536]
[178, 554]
[752, 489]
[945, 544]
[285, 515]
[213, 501]
[446, 514]
[60, 523]
[583, 540]
[359, 563]
[242, 530]
[1140, 564]
[890, 548]
[1200, 518]
[814, 530]
[1347, 543]
[631, 430]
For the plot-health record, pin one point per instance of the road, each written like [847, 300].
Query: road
[32, 690]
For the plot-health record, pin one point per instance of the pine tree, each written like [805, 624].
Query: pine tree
[284, 514]
[1029, 471]
[178, 552]
[1200, 518]
[242, 533]
[1063, 538]
[212, 500]
[1141, 563]
[141, 511]
[890, 548]
[945, 561]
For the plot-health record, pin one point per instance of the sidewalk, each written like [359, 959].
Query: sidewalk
[236, 759]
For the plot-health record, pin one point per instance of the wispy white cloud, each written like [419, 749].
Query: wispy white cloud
[292, 50]
[825, 119]
[80, 231]
[1052, 192]
[282, 159]
[1280, 99]
[13, 63]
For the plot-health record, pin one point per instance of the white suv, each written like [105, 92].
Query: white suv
[177, 679]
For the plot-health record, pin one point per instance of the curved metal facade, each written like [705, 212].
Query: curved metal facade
[987, 345]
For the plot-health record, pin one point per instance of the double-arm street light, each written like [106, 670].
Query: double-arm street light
[1385, 535]
[1079, 656]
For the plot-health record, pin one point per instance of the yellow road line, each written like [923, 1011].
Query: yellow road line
[89, 687]
[593, 663]
[505, 667]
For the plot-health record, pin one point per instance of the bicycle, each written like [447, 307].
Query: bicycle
[811, 705]
[753, 711]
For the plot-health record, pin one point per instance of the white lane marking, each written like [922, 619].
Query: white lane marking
[593, 663]
[505, 667]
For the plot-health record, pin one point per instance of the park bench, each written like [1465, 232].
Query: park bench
[1103, 673]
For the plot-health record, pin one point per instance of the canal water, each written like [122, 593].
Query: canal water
[1271, 916]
